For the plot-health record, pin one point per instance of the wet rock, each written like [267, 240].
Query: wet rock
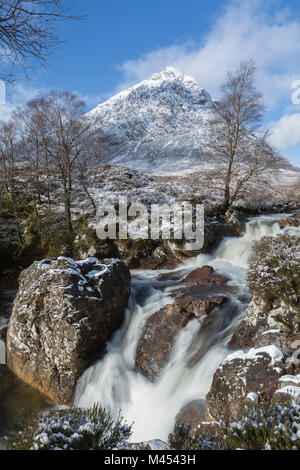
[63, 314]
[243, 376]
[204, 276]
[3, 333]
[166, 254]
[192, 414]
[162, 328]
[7, 378]
[216, 229]
[293, 221]
[158, 338]
[202, 282]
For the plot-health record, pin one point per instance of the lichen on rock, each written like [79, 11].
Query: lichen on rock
[63, 314]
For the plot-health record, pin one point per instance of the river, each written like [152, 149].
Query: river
[153, 407]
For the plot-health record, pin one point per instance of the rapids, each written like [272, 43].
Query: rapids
[153, 407]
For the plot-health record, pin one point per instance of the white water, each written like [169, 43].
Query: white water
[152, 407]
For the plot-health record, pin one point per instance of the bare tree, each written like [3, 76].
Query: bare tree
[28, 31]
[242, 155]
[42, 128]
[8, 169]
[69, 136]
[30, 141]
[90, 159]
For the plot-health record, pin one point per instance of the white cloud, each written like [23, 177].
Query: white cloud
[16, 96]
[19, 95]
[245, 29]
[286, 132]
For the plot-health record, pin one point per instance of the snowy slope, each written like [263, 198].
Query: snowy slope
[160, 124]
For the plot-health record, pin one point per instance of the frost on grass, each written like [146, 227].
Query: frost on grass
[71, 429]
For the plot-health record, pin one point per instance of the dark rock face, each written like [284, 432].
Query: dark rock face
[232, 225]
[162, 328]
[256, 373]
[7, 378]
[63, 314]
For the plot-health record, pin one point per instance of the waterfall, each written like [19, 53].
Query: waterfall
[153, 407]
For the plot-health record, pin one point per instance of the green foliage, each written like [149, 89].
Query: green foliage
[61, 243]
[74, 429]
[87, 238]
[275, 269]
[32, 226]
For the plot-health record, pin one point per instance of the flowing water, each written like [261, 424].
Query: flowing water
[153, 407]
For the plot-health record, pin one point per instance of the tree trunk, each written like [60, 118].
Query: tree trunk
[67, 200]
[227, 194]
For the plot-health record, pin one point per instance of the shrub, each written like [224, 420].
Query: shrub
[206, 437]
[73, 429]
[274, 271]
[180, 438]
[264, 427]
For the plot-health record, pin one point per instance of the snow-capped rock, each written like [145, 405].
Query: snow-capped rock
[158, 123]
[241, 375]
[63, 314]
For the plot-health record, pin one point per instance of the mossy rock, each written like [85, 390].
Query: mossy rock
[87, 244]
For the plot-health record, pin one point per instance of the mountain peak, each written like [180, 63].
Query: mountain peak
[169, 73]
[161, 119]
[169, 83]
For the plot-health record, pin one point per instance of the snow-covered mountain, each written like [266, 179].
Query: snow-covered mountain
[161, 124]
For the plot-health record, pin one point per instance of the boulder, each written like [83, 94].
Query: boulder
[242, 376]
[155, 444]
[162, 328]
[158, 338]
[63, 314]
[293, 221]
[290, 388]
[266, 324]
[204, 276]
[192, 414]
[203, 282]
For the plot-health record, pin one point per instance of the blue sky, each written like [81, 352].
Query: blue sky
[124, 41]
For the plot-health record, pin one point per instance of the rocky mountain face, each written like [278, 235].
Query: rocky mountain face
[160, 123]
[64, 313]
